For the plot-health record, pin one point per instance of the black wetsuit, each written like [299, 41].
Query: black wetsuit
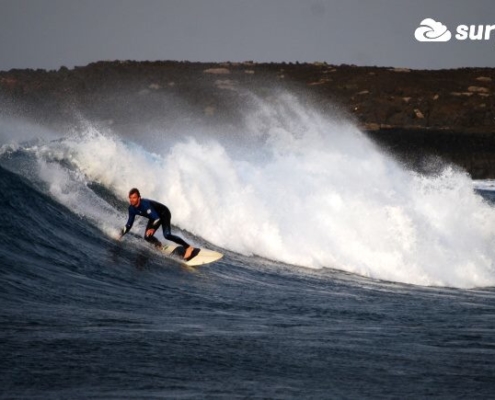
[158, 214]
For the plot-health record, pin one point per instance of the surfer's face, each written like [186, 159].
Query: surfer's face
[134, 200]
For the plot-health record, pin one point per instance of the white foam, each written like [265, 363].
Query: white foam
[488, 185]
[313, 192]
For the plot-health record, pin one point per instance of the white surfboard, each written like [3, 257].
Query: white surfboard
[199, 256]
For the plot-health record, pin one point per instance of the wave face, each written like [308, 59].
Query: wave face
[287, 184]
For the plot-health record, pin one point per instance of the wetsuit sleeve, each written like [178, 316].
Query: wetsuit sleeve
[130, 221]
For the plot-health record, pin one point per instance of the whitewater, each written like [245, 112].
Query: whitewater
[287, 184]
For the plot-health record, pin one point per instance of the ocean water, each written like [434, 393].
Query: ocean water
[346, 275]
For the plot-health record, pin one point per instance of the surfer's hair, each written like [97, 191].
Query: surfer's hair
[134, 191]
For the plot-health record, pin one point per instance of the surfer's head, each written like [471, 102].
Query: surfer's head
[134, 197]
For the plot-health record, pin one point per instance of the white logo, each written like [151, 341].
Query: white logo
[432, 31]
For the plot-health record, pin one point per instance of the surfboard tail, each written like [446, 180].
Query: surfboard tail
[199, 256]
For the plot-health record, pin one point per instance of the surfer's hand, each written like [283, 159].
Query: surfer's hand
[121, 233]
[150, 232]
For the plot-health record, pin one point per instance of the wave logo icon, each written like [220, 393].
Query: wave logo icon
[432, 31]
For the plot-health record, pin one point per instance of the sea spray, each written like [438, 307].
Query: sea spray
[291, 185]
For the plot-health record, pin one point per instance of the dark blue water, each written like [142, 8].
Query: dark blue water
[84, 316]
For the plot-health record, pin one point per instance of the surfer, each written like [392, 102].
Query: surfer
[158, 214]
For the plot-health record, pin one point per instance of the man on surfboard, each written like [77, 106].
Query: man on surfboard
[158, 214]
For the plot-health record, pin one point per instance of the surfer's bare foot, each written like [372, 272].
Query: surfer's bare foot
[188, 253]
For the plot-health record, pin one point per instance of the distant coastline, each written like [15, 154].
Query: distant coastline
[449, 113]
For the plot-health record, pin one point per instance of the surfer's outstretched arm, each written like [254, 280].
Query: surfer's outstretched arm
[128, 225]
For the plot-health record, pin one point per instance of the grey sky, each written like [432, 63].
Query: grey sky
[53, 33]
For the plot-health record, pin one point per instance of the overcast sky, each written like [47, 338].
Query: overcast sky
[49, 34]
